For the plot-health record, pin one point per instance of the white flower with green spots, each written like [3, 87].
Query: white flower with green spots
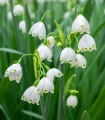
[86, 43]
[53, 72]
[18, 10]
[72, 101]
[67, 55]
[31, 95]
[45, 85]
[14, 72]
[50, 41]
[80, 25]
[38, 29]
[45, 52]
[22, 26]
[80, 61]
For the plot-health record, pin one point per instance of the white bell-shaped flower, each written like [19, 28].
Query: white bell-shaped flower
[50, 41]
[67, 55]
[66, 15]
[44, 52]
[31, 95]
[22, 26]
[45, 85]
[80, 61]
[18, 10]
[2, 2]
[72, 101]
[86, 43]
[38, 29]
[81, 25]
[9, 15]
[14, 72]
[53, 72]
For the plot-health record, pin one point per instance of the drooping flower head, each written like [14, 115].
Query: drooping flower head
[80, 61]
[67, 55]
[38, 29]
[66, 15]
[31, 95]
[10, 15]
[18, 10]
[44, 52]
[22, 26]
[80, 25]
[50, 41]
[86, 43]
[14, 72]
[72, 101]
[53, 72]
[45, 85]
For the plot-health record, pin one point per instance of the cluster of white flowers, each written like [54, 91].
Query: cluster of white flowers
[45, 85]
[18, 10]
[2, 2]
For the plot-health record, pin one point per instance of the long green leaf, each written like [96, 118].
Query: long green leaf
[4, 112]
[95, 59]
[32, 114]
[98, 107]
[11, 51]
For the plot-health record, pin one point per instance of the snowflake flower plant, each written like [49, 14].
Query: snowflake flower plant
[44, 75]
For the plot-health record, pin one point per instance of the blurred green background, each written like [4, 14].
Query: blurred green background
[90, 82]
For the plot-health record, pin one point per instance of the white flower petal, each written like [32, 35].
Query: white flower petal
[53, 73]
[50, 41]
[38, 29]
[44, 52]
[81, 25]
[67, 55]
[72, 101]
[45, 85]
[22, 26]
[86, 43]
[14, 72]
[31, 95]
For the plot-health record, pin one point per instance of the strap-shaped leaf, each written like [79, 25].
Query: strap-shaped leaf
[85, 116]
[32, 114]
[61, 34]
[37, 67]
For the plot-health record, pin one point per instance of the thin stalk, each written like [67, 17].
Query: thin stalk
[60, 102]
[16, 27]
[42, 108]
[49, 94]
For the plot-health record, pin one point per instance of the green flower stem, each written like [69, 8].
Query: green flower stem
[42, 19]
[42, 108]
[44, 73]
[19, 61]
[61, 111]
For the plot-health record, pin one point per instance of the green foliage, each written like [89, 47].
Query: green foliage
[85, 116]
[67, 86]
[61, 34]
[90, 82]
